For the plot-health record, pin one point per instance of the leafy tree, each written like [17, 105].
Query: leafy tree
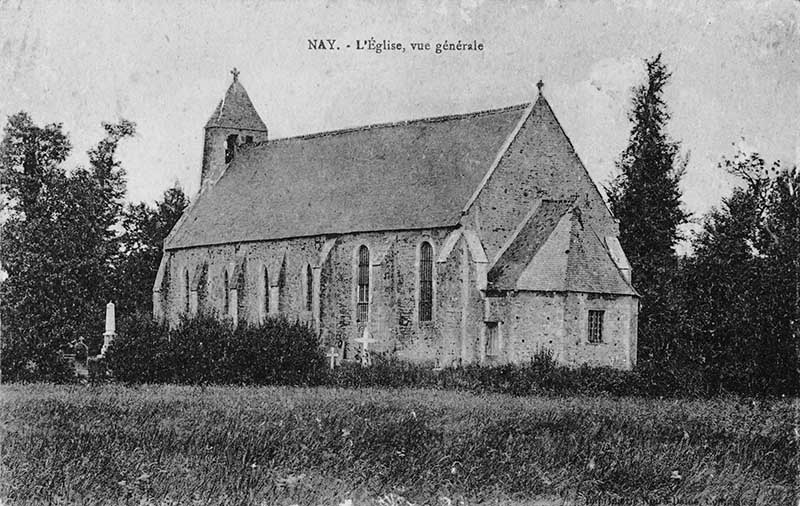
[724, 274]
[741, 300]
[30, 171]
[144, 230]
[58, 244]
[779, 243]
[30, 158]
[646, 199]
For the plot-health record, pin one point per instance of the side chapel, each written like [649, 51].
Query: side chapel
[475, 237]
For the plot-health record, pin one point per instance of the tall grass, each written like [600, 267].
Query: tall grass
[541, 376]
[281, 445]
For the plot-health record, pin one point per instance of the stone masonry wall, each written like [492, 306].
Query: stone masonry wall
[393, 314]
[529, 322]
[214, 145]
[618, 348]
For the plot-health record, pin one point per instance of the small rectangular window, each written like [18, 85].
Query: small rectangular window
[492, 339]
[248, 139]
[595, 326]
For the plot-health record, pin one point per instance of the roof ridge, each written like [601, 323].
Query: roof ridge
[567, 201]
[510, 138]
[427, 119]
[221, 107]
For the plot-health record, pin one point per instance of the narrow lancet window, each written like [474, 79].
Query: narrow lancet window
[362, 304]
[266, 291]
[187, 291]
[425, 282]
[226, 299]
[309, 287]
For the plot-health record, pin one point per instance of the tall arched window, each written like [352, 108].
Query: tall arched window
[362, 304]
[201, 283]
[226, 309]
[187, 291]
[240, 285]
[309, 287]
[425, 282]
[266, 291]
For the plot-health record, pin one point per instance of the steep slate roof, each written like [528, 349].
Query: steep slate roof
[553, 250]
[534, 231]
[236, 110]
[590, 267]
[398, 176]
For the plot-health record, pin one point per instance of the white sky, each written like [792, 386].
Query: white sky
[165, 65]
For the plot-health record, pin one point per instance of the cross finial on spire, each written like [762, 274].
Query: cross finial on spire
[235, 73]
[540, 85]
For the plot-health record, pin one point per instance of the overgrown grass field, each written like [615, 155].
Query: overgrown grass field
[226, 445]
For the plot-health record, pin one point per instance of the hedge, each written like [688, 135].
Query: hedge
[205, 350]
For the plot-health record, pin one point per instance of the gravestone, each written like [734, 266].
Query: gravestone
[81, 360]
[365, 340]
[332, 355]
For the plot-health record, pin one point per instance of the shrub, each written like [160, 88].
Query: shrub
[276, 352]
[205, 350]
[27, 358]
[670, 379]
[138, 353]
[198, 349]
[386, 371]
[541, 376]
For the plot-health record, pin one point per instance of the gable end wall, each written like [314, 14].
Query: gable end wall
[540, 163]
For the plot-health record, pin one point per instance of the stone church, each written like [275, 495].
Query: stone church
[469, 238]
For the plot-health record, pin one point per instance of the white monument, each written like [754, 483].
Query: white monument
[111, 328]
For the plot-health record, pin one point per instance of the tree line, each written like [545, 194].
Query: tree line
[724, 316]
[69, 243]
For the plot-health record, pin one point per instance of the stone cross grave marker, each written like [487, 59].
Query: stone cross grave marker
[365, 340]
[332, 355]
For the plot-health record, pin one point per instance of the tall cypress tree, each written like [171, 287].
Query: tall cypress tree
[646, 199]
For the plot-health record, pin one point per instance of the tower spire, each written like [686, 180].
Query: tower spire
[234, 123]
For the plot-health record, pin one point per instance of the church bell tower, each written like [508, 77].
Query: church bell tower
[233, 124]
